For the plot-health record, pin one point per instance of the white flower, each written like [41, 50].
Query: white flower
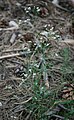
[45, 33]
[13, 24]
[29, 8]
[30, 70]
[0, 104]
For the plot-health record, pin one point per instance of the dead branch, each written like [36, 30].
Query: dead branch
[13, 55]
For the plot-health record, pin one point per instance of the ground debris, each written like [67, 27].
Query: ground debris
[36, 43]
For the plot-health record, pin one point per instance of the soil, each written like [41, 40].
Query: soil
[28, 19]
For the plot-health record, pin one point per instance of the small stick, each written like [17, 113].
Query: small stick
[68, 41]
[21, 103]
[56, 5]
[13, 50]
[13, 55]
[8, 29]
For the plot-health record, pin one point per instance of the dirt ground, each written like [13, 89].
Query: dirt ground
[24, 24]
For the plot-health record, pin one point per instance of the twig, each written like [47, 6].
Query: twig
[24, 101]
[13, 55]
[12, 50]
[28, 116]
[56, 5]
[6, 29]
[57, 116]
[68, 41]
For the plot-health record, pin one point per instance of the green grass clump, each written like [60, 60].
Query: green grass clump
[55, 64]
[40, 102]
